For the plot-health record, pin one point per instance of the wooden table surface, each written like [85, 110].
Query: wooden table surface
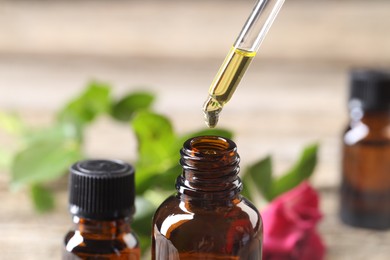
[293, 94]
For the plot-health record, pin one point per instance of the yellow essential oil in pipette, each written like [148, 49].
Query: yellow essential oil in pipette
[225, 83]
[239, 58]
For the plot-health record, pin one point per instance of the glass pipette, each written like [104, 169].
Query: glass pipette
[239, 57]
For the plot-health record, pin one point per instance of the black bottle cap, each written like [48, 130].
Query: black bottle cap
[101, 189]
[370, 89]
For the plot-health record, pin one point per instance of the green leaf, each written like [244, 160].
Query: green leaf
[85, 108]
[11, 123]
[43, 161]
[166, 180]
[5, 159]
[143, 207]
[126, 107]
[300, 171]
[42, 198]
[142, 222]
[258, 178]
[161, 180]
[57, 132]
[156, 152]
[145, 242]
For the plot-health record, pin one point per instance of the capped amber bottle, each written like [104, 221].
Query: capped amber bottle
[365, 187]
[207, 218]
[101, 200]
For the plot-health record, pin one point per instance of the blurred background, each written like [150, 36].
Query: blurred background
[294, 93]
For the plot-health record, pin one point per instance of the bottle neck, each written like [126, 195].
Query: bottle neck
[107, 229]
[210, 169]
[370, 125]
[375, 119]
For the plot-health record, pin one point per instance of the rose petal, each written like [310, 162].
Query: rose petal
[313, 247]
[289, 225]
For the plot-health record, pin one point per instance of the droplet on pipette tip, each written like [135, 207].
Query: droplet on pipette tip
[211, 110]
[211, 118]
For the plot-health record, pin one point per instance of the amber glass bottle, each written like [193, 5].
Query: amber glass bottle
[101, 198]
[365, 187]
[207, 218]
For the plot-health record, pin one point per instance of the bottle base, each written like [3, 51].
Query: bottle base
[365, 220]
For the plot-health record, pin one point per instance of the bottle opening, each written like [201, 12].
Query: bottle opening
[209, 145]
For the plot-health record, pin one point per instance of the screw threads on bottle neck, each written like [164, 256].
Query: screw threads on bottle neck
[210, 168]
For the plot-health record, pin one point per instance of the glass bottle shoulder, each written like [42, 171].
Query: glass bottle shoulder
[81, 243]
[175, 210]
[371, 131]
[75, 239]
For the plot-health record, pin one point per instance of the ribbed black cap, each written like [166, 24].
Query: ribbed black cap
[101, 189]
[371, 88]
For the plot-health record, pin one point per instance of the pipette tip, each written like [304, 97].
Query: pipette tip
[211, 118]
[211, 110]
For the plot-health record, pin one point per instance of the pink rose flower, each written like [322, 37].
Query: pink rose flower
[290, 226]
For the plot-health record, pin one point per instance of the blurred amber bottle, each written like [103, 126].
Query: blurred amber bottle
[365, 187]
[101, 198]
[207, 218]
